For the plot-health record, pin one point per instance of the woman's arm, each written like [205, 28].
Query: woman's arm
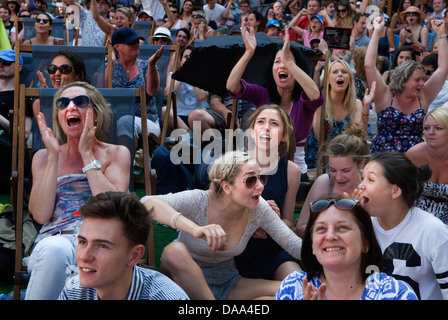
[435, 83]
[233, 81]
[166, 214]
[45, 173]
[152, 76]
[306, 82]
[382, 93]
[319, 188]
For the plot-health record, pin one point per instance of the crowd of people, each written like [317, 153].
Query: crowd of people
[381, 200]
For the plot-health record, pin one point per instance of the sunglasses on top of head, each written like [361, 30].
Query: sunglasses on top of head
[342, 204]
[81, 101]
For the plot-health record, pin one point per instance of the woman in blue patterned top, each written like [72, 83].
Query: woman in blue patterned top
[339, 251]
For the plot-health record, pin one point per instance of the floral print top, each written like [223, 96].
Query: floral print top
[397, 131]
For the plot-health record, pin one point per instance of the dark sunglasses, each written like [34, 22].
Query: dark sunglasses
[410, 14]
[70, 13]
[161, 39]
[252, 180]
[38, 20]
[6, 63]
[342, 10]
[342, 204]
[429, 72]
[198, 16]
[81, 101]
[65, 69]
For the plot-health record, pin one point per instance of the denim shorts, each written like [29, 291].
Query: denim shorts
[221, 277]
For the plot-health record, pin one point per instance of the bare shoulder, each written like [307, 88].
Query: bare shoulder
[418, 154]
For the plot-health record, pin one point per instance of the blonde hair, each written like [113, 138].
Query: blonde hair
[128, 15]
[101, 110]
[440, 115]
[226, 168]
[349, 100]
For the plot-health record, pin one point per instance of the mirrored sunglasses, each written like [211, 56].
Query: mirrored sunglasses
[81, 101]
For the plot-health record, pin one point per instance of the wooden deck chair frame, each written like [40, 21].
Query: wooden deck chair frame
[17, 179]
[323, 128]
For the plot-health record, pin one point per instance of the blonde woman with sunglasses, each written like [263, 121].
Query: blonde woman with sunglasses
[215, 226]
[65, 175]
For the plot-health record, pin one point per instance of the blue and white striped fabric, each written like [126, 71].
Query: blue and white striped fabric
[379, 286]
[146, 284]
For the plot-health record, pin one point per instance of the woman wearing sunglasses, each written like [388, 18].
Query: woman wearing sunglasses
[344, 14]
[389, 191]
[347, 154]
[65, 67]
[415, 34]
[65, 175]
[338, 254]
[215, 226]
[43, 24]
[272, 132]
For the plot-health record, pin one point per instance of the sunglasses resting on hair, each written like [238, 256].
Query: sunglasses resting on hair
[342, 204]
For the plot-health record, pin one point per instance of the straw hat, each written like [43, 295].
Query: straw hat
[412, 9]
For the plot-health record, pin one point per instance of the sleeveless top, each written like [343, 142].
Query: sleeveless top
[434, 199]
[408, 42]
[398, 131]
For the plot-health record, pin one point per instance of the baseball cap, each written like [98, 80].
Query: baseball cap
[318, 16]
[125, 35]
[273, 23]
[10, 55]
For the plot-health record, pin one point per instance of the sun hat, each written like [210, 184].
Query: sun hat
[161, 32]
[412, 9]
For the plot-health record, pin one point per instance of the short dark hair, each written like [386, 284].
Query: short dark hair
[373, 256]
[431, 60]
[126, 207]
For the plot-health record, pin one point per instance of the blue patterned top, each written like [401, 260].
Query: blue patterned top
[398, 131]
[379, 286]
[120, 80]
[73, 191]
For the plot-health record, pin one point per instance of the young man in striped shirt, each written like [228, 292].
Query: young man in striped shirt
[110, 244]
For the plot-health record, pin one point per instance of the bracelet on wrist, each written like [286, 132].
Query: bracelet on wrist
[441, 37]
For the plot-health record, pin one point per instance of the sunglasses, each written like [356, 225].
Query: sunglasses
[342, 10]
[81, 101]
[70, 13]
[6, 63]
[161, 39]
[429, 72]
[342, 204]
[198, 16]
[252, 180]
[65, 69]
[39, 20]
[410, 14]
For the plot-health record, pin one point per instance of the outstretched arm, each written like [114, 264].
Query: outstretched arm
[233, 82]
